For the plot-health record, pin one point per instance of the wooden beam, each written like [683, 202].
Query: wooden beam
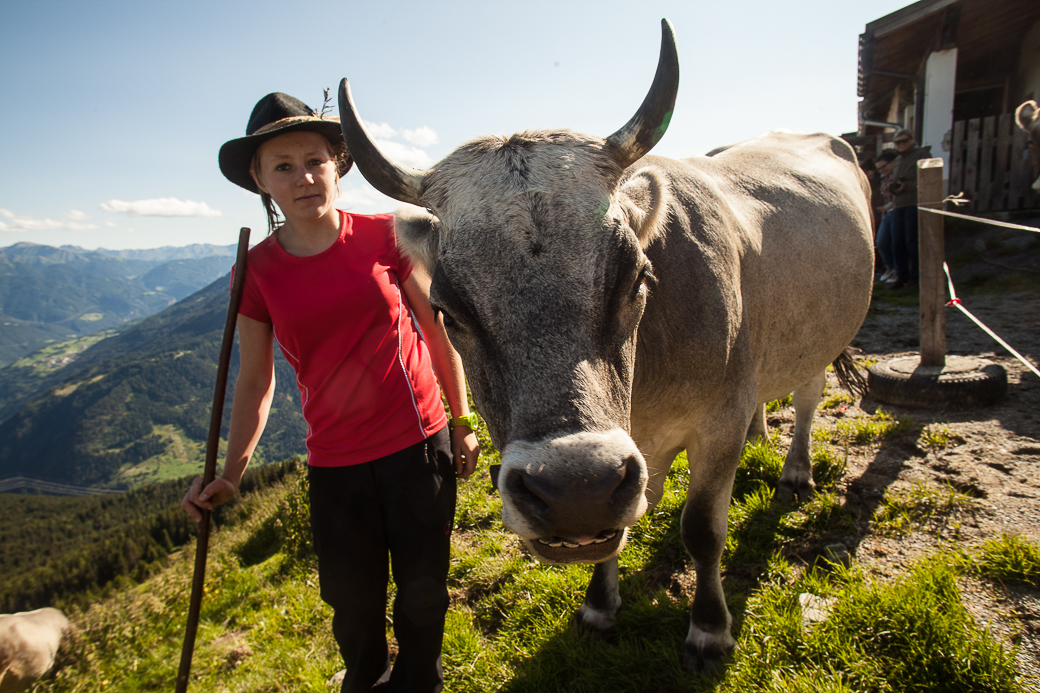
[930, 241]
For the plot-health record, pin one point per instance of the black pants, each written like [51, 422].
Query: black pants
[402, 504]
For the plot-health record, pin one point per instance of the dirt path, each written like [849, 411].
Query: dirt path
[994, 457]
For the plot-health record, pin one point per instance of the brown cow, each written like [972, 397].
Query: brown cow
[28, 644]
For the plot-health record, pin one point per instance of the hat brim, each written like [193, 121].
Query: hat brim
[236, 156]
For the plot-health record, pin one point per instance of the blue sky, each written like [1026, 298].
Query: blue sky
[112, 112]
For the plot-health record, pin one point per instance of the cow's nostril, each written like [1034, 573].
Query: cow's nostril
[523, 495]
[629, 486]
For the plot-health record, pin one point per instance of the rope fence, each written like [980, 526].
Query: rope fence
[956, 302]
[957, 200]
[991, 222]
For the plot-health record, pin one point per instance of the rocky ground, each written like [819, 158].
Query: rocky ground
[994, 454]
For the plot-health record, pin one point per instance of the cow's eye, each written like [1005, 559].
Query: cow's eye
[449, 322]
[645, 278]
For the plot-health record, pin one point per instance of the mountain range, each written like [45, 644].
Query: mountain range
[52, 294]
[133, 408]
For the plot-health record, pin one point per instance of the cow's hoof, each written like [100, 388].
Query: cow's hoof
[706, 652]
[706, 661]
[791, 492]
[594, 624]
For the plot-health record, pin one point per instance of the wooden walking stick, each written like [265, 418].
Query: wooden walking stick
[210, 471]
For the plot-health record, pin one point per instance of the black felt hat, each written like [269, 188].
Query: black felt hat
[273, 115]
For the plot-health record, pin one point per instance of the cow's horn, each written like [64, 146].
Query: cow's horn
[649, 123]
[402, 183]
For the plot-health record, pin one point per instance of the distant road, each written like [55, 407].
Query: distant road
[24, 483]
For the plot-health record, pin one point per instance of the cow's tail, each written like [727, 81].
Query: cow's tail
[849, 375]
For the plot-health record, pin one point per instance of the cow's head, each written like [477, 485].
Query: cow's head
[1028, 118]
[535, 246]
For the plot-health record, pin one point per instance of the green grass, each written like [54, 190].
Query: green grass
[1010, 558]
[264, 627]
[868, 431]
[936, 437]
[904, 511]
[992, 283]
[836, 400]
[911, 634]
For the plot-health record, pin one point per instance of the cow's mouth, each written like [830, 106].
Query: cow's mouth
[601, 547]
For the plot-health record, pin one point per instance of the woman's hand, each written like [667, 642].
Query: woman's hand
[219, 491]
[465, 450]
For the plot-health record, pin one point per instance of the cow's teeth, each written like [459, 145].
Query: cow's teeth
[599, 540]
[542, 541]
[570, 545]
[556, 544]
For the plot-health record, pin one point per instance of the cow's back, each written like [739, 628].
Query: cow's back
[769, 249]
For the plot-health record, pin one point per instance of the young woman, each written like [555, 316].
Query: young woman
[342, 302]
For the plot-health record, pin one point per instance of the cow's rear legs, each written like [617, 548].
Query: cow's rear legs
[796, 479]
[757, 429]
[597, 616]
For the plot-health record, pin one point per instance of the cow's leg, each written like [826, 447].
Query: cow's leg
[796, 479]
[704, 527]
[758, 428]
[598, 615]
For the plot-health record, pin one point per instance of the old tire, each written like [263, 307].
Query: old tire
[964, 382]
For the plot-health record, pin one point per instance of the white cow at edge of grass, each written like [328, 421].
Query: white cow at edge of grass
[29, 642]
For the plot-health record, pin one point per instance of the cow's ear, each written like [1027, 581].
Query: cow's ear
[1026, 115]
[645, 197]
[418, 232]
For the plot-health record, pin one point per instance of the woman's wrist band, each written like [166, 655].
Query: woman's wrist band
[469, 421]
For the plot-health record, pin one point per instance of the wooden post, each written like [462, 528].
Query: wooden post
[931, 258]
[209, 473]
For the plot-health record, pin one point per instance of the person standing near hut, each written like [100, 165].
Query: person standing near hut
[883, 215]
[342, 301]
[904, 203]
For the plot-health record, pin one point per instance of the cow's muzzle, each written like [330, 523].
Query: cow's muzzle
[572, 497]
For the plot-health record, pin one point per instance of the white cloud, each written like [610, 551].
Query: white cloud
[26, 223]
[404, 155]
[161, 207]
[366, 200]
[75, 215]
[421, 137]
[379, 130]
[387, 139]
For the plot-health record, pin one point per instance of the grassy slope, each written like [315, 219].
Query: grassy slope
[264, 627]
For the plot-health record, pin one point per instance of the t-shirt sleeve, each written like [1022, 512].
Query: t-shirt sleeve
[253, 304]
[402, 265]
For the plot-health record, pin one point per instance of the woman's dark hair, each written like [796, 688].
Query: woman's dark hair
[274, 219]
[888, 155]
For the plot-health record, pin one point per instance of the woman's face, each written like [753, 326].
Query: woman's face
[298, 171]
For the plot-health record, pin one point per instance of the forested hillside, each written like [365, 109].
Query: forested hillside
[55, 294]
[134, 409]
[60, 551]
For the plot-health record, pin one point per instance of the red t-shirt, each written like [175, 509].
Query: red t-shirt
[342, 321]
